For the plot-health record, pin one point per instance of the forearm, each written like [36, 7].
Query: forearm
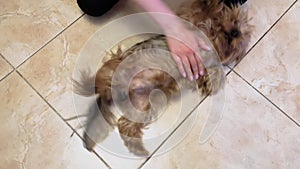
[161, 13]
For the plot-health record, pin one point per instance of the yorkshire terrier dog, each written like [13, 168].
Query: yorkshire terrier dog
[228, 30]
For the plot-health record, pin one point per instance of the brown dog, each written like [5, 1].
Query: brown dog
[228, 30]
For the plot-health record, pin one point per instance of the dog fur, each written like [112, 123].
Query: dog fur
[227, 28]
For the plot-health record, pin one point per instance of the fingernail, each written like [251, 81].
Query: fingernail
[197, 76]
[183, 74]
[201, 72]
[208, 48]
[191, 78]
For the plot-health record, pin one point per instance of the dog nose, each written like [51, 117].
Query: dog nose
[234, 33]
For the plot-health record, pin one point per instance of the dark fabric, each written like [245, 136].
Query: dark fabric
[230, 3]
[96, 7]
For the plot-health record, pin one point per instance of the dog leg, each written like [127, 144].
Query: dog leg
[99, 123]
[212, 81]
[131, 133]
[204, 84]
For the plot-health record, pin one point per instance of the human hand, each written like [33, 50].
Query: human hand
[185, 48]
[185, 53]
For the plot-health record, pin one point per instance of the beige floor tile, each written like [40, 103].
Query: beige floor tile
[51, 69]
[33, 136]
[264, 14]
[112, 148]
[5, 68]
[51, 76]
[273, 66]
[26, 26]
[251, 134]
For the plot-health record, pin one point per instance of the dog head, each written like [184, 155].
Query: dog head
[232, 34]
[227, 27]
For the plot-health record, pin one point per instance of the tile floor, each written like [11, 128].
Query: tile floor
[40, 44]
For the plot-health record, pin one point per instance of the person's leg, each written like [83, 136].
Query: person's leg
[233, 2]
[96, 7]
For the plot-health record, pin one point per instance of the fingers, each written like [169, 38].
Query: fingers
[179, 64]
[200, 64]
[193, 64]
[203, 45]
[187, 58]
[197, 55]
[187, 67]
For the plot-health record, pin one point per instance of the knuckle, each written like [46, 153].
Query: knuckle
[189, 51]
[185, 61]
[199, 61]
[194, 65]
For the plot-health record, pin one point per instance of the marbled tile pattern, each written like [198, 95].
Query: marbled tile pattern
[51, 76]
[53, 81]
[25, 26]
[252, 134]
[264, 14]
[274, 68]
[5, 68]
[33, 136]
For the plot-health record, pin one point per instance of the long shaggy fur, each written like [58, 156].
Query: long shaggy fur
[228, 30]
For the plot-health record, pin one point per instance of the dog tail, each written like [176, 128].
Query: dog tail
[86, 85]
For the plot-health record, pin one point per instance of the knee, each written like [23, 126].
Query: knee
[96, 7]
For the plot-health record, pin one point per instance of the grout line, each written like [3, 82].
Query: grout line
[15, 70]
[55, 36]
[60, 116]
[174, 130]
[181, 123]
[267, 98]
[30, 56]
[232, 70]
[7, 61]
[255, 44]
[178, 126]
[268, 30]
[228, 71]
[8, 64]
[6, 75]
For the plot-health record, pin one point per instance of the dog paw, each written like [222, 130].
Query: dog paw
[135, 146]
[216, 78]
[89, 144]
[131, 133]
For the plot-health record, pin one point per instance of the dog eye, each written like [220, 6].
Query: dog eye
[234, 33]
